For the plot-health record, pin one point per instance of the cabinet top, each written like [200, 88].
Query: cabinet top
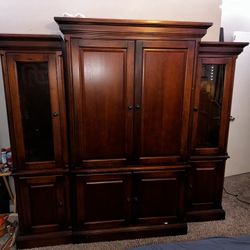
[221, 48]
[132, 27]
[30, 41]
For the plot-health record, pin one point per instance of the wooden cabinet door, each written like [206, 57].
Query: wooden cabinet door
[164, 77]
[42, 203]
[213, 94]
[159, 196]
[103, 200]
[35, 94]
[206, 185]
[102, 86]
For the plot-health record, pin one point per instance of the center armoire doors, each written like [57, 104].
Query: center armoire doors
[128, 101]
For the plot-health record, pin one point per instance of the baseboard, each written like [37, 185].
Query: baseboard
[205, 215]
[46, 239]
[129, 232]
[81, 236]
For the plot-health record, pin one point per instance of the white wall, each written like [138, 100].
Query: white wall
[235, 17]
[239, 136]
[36, 16]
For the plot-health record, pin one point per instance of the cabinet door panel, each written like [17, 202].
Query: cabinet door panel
[103, 90]
[212, 105]
[42, 203]
[36, 93]
[103, 200]
[206, 185]
[159, 196]
[166, 74]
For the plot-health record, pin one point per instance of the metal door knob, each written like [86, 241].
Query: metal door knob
[55, 114]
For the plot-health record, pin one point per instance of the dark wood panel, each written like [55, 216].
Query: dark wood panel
[103, 200]
[162, 102]
[159, 196]
[104, 103]
[166, 74]
[42, 203]
[104, 92]
[206, 184]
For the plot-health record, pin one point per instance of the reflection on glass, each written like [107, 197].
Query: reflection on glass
[211, 94]
[35, 109]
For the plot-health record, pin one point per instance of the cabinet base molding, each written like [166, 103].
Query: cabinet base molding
[129, 232]
[206, 215]
[45, 239]
[67, 237]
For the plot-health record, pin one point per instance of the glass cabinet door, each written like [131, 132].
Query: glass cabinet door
[211, 106]
[35, 105]
[36, 93]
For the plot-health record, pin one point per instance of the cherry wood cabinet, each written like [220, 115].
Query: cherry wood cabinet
[33, 74]
[213, 96]
[118, 130]
[210, 125]
[130, 85]
[34, 87]
[127, 80]
[120, 116]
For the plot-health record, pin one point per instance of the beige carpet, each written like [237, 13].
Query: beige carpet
[237, 222]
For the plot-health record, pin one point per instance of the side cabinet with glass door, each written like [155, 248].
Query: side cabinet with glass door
[34, 88]
[210, 126]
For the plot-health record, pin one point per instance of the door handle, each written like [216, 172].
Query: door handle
[60, 203]
[55, 114]
[137, 106]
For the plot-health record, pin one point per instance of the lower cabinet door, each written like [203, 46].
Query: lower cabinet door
[206, 185]
[103, 200]
[159, 197]
[42, 203]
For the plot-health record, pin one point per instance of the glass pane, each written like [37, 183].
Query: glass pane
[35, 109]
[211, 94]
